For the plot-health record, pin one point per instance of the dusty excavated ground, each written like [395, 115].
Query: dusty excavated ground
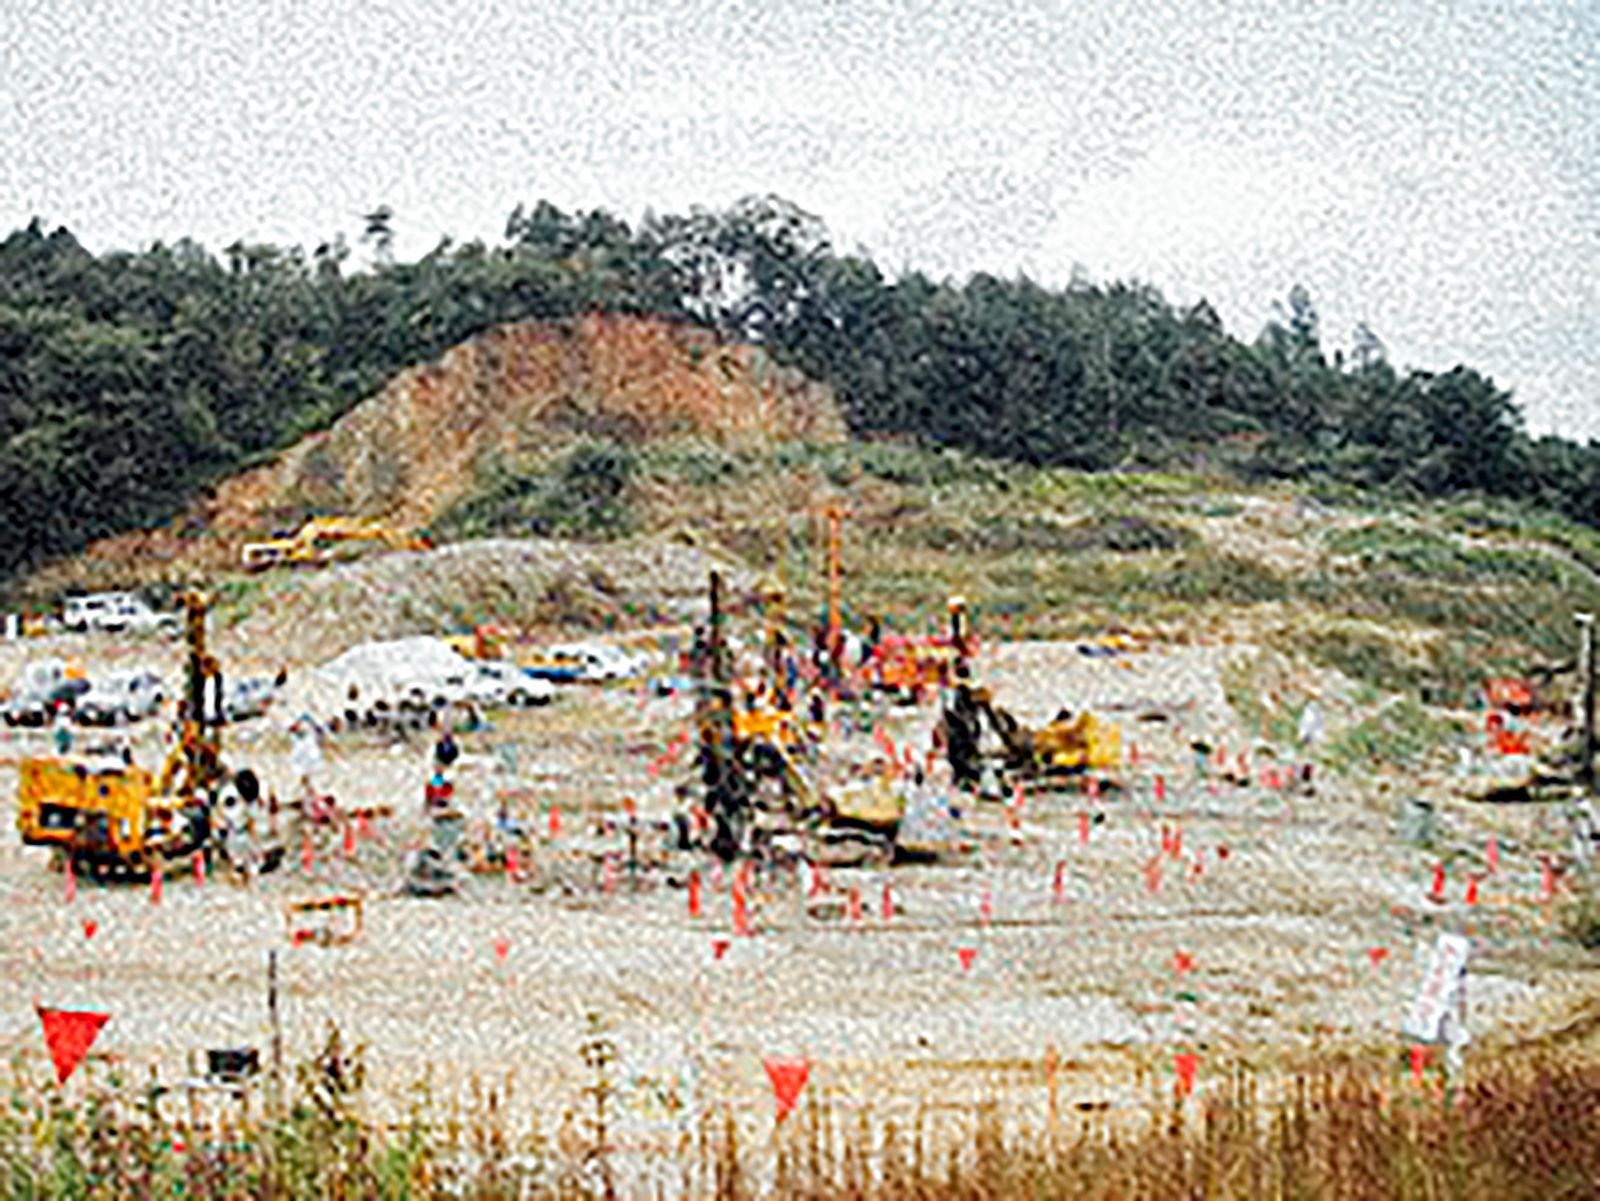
[1278, 926]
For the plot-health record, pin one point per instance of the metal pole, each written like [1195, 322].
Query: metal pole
[277, 1033]
[1586, 765]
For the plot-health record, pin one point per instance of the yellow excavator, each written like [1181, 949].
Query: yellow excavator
[1070, 744]
[116, 819]
[317, 542]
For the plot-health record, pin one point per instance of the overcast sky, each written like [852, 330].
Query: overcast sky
[1428, 168]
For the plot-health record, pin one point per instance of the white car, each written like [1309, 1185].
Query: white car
[119, 697]
[600, 661]
[114, 612]
[506, 684]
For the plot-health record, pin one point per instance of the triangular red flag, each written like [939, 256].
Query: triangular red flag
[788, 1078]
[69, 1033]
[1377, 955]
[719, 947]
[155, 885]
[89, 927]
[966, 955]
[502, 948]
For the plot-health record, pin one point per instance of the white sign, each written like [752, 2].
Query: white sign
[1441, 988]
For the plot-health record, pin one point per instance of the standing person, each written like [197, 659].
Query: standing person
[1310, 733]
[63, 729]
[446, 751]
[305, 753]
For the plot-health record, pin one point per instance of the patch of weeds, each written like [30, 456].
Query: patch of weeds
[1402, 733]
[1219, 579]
[585, 494]
[1579, 916]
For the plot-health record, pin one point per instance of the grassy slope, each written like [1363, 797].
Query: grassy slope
[1398, 597]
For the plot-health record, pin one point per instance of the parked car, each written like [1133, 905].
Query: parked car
[244, 699]
[508, 684]
[35, 705]
[600, 661]
[114, 612]
[121, 696]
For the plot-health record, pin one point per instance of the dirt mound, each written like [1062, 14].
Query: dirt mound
[419, 445]
[530, 583]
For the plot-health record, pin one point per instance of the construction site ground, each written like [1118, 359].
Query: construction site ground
[1287, 925]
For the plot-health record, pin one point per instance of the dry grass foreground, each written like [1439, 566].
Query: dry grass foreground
[1520, 1128]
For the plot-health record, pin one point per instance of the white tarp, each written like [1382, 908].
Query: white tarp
[384, 668]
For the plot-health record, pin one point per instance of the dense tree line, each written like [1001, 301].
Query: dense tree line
[128, 381]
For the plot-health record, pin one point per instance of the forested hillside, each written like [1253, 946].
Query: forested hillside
[129, 381]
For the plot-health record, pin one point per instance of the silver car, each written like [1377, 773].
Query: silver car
[121, 697]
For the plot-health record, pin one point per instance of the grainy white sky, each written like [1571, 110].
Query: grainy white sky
[1431, 168]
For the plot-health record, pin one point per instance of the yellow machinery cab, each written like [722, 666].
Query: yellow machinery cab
[85, 806]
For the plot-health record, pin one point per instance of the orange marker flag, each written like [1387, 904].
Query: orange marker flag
[694, 894]
[1083, 829]
[1419, 1059]
[555, 821]
[200, 868]
[1437, 892]
[502, 948]
[741, 915]
[1058, 888]
[72, 882]
[155, 885]
[349, 840]
[1161, 788]
[888, 901]
[1472, 890]
[1152, 874]
[1377, 955]
[511, 864]
[1492, 854]
[966, 955]
[788, 1077]
[853, 905]
[69, 1033]
[89, 927]
[1187, 1064]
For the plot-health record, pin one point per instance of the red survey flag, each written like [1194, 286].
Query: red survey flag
[1187, 1064]
[788, 1077]
[69, 1033]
